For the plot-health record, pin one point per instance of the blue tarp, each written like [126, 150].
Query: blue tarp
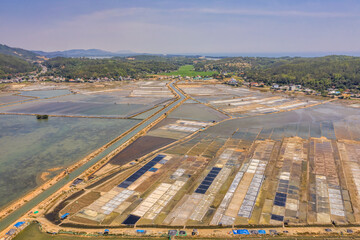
[241, 231]
[106, 230]
[64, 216]
[153, 169]
[19, 224]
[262, 232]
[140, 231]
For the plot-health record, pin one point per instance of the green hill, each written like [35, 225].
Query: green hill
[18, 52]
[10, 65]
[317, 73]
[112, 68]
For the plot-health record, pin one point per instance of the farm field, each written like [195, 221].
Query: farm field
[188, 70]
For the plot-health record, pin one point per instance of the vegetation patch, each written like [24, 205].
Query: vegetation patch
[40, 117]
[189, 70]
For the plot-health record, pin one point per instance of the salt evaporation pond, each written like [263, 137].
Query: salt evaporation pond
[45, 93]
[29, 147]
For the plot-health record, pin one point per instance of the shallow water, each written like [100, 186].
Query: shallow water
[309, 122]
[12, 98]
[76, 109]
[45, 93]
[197, 112]
[29, 146]
[105, 104]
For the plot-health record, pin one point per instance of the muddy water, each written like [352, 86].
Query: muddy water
[29, 147]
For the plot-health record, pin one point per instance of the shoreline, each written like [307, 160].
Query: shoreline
[33, 194]
[17, 203]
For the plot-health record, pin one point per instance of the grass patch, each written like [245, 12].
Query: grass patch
[189, 70]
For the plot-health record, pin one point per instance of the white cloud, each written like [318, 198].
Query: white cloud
[182, 30]
[273, 13]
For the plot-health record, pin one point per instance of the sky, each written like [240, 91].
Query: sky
[195, 26]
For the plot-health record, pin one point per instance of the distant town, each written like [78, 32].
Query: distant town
[224, 77]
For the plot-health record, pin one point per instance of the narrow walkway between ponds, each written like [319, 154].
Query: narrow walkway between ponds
[18, 213]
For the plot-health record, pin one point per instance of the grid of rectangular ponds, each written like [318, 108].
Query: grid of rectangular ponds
[282, 193]
[251, 195]
[116, 201]
[141, 171]
[280, 199]
[205, 184]
[327, 129]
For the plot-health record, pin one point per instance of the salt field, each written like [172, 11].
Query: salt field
[265, 169]
[208, 164]
[45, 93]
[120, 103]
[244, 101]
[47, 147]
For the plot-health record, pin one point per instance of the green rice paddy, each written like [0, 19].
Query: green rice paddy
[188, 70]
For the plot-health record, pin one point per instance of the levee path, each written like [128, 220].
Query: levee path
[12, 217]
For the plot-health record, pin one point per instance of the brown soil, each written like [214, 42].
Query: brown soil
[81, 203]
[55, 169]
[44, 176]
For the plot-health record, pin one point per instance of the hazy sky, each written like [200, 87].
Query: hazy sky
[182, 26]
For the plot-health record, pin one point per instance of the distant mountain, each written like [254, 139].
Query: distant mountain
[74, 53]
[18, 52]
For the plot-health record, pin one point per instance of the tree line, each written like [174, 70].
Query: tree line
[11, 66]
[318, 73]
[86, 68]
